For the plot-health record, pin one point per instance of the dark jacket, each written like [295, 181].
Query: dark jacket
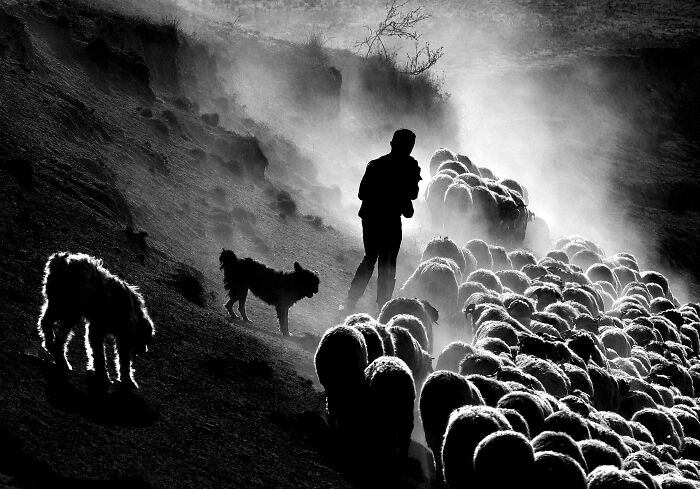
[389, 185]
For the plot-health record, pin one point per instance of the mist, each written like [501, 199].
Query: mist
[524, 101]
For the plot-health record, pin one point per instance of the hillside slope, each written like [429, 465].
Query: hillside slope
[96, 146]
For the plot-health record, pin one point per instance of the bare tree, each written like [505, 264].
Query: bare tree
[400, 23]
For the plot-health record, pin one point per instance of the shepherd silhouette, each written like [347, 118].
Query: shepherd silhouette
[387, 189]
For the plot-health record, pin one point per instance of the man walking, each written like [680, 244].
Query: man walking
[387, 190]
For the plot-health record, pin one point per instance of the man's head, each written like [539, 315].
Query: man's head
[403, 141]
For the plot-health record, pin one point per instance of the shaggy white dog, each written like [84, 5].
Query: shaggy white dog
[77, 289]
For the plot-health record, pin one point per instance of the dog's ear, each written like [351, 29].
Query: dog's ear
[297, 267]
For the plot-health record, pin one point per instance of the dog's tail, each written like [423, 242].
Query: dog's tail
[55, 273]
[227, 259]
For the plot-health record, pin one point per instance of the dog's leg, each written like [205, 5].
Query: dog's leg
[47, 321]
[126, 374]
[283, 317]
[60, 345]
[229, 307]
[96, 357]
[241, 307]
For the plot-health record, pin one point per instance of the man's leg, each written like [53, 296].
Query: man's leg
[366, 267]
[389, 252]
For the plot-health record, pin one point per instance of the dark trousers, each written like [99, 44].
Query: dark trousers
[382, 240]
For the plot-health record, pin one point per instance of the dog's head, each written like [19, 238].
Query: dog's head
[307, 280]
[227, 257]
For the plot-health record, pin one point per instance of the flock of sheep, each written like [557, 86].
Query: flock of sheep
[573, 369]
[469, 201]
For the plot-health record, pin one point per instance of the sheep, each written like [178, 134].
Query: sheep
[558, 255]
[340, 362]
[493, 345]
[606, 477]
[660, 426]
[520, 258]
[617, 340]
[453, 165]
[552, 319]
[517, 421]
[551, 376]
[529, 406]
[660, 304]
[447, 171]
[515, 280]
[645, 460]
[600, 271]
[486, 277]
[414, 326]
[583, 297]
[689, 422]
[419, 308]
[446, 248]
[596, 453]
[464, 159]
[466, 427]
[388, 342]
[513, 185]
[497, 329]
[491, 389]
[506, 373]
[472, 179]
[642, 335]
[519, 307]
[537, 236]
[587, 346]
[547, 295]
[458, 202]
[606, 435]
[451, 356]
[486, 173]
[541, 276]
[640, 432]
[488, 461]
[467, 289]
[375, 346]
[408, 350]
[559, 442]
[390, 389]
[491, 312]
[616, 423]
[438, 157]
[434, 280]
[442, 393]
[690, 449]
[568, 422]
[606, 391]
[500, 258]
[479, 362]
[635, 401]
[547, 349]
[435, 193]
[651, 276]
[551, 468]
[77, 288]
[678, 375]
[480, 250]
[586, 259]
[579, 379]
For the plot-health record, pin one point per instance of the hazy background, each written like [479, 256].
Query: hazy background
[537, 90]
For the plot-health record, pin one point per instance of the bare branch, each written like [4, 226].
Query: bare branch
[402, 25]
